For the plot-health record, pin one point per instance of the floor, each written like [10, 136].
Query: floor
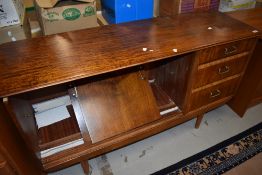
[171, 146]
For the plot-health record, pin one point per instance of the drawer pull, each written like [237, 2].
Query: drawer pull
[215, 93]
[229, 51]
[223, 70]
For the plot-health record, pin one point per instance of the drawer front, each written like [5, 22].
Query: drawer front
[222, 51]
[218, 71]
[209, 95]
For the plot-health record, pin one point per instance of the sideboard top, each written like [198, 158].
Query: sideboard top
[252, 17]
[41, 62]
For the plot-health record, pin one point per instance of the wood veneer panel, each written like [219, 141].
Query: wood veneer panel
[13, 147]
[250, 83]
[163, 100]
[60, 58]
[22, 114]
[115, 105]
[222, 69]
[214, 93]
[251, 17]
[172, 76]
[225, 50]
[60, 132]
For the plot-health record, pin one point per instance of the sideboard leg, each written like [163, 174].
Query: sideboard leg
[85, 167]
[198, 121]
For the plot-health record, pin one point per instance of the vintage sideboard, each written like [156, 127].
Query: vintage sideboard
[120, 84]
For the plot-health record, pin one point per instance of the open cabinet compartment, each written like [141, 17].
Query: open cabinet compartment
[103, 112]
[46, 120]
[170, 81]
[57, 125]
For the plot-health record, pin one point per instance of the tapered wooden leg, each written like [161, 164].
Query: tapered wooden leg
[198, 121]
[85, 167]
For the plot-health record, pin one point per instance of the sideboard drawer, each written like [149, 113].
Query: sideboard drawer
[211, 94]
[222, 51]
[219, 70]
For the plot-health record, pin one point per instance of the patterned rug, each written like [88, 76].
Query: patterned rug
[221, 157]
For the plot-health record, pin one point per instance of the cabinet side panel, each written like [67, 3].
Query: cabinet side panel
[22, 114]
[173, 76]
[249, 83]
[13, 147]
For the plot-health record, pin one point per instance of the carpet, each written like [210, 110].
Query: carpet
[221, 157]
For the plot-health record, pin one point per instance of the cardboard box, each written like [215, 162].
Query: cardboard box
[14, 32]
[64, 16]
[28, 3]
[172, 7]
[33, 23]
[187, 6]
[11, 12]
[98, 5]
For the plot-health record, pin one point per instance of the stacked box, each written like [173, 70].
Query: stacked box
[63, 16]
[118, 11]
[14, 33]
[13, 26]
[187, 6]
[12, 12]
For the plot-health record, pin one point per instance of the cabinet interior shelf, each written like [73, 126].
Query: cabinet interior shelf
[59, 133]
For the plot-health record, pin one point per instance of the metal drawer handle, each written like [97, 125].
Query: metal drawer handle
[215, 93]
[223, 70]
[229, 51]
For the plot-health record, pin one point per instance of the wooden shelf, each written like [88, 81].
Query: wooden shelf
[59, 133]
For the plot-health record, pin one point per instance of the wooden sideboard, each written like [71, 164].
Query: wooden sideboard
[124, 83]
[250, 90]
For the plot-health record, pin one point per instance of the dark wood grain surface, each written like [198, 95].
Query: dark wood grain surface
[22, 114]
[213, 93]
[221, 69]
[252, 81]
[251, 17]
[46, 61]
[116, 105]
[60, 132]
[172, 76]
[14, 148]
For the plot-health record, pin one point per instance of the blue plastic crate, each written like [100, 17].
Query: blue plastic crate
[118, 11]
